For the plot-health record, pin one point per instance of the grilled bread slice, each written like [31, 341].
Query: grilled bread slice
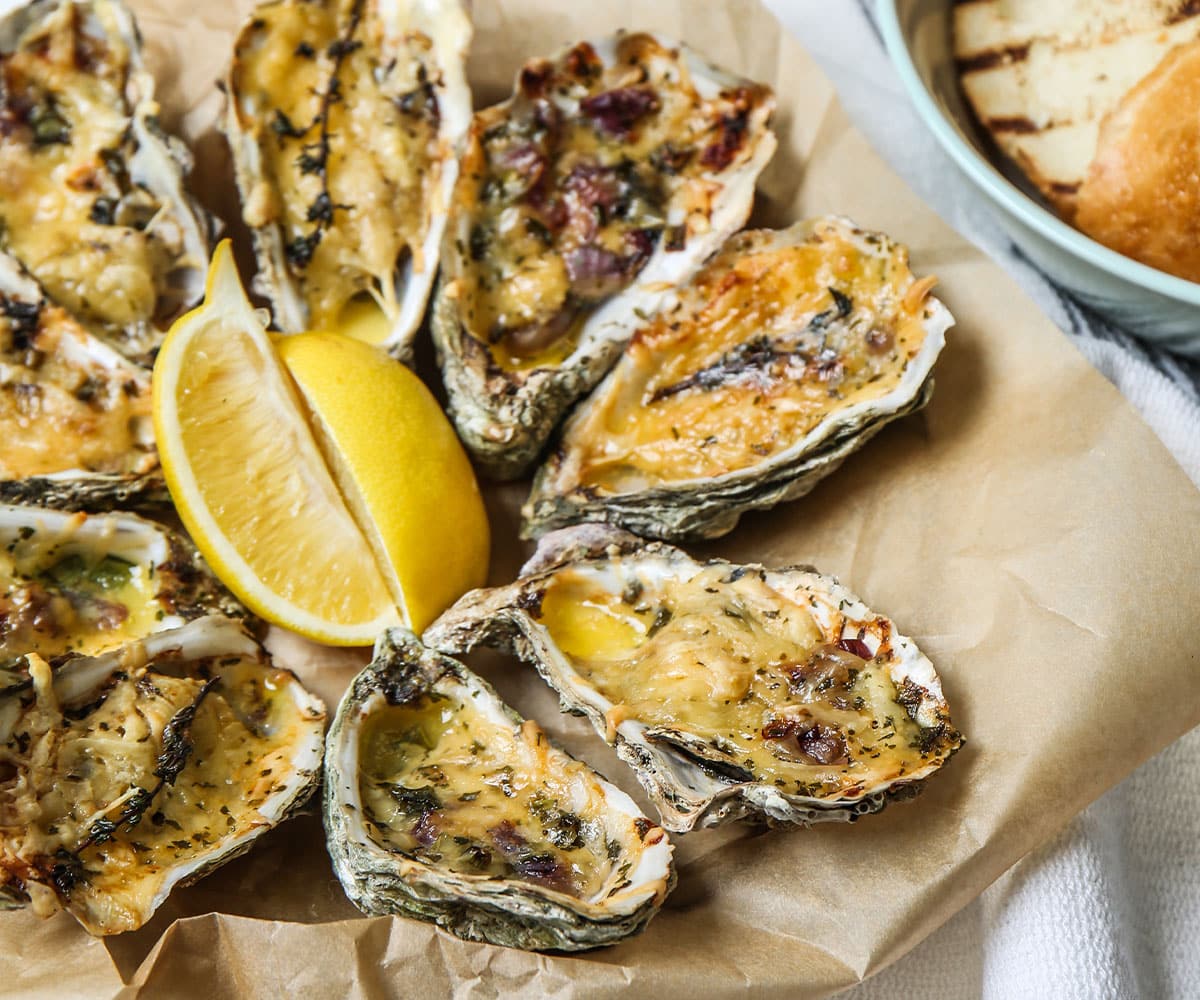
[1041, 77]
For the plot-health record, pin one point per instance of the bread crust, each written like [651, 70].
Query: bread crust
[1141, 196]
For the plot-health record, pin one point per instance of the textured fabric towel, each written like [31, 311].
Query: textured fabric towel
[1111, 909]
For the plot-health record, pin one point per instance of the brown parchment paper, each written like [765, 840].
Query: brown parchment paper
[1026, 528]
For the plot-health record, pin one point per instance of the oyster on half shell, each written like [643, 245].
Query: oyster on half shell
[614, 170]
[442, 804]
[75, 422]
[786, 353]
[92, 196]
[80, 585]
[344, 118]
[142, 769]
[732, 691]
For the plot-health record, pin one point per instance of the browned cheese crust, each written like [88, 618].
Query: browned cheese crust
[566, 209]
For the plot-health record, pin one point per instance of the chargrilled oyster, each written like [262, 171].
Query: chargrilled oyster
[74, 584]
[442, 804]
[732, 691]
[145, 768]
[610, 175]
[345, 118]
[92, 197]
[75, 424]
[787, 352]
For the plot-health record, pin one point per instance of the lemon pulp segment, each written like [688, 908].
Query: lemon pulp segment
[249, 480]
[400, 466]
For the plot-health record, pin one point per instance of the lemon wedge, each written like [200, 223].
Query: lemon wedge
[400, 467]
[250, 481]
[362, 319]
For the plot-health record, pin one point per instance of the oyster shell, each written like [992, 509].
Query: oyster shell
[75, 423]
[79, 585]
[345, 118]
[442, 804]
[182, 749]
[786, 353]
[610, 175]
[732, 691]
[124, 247]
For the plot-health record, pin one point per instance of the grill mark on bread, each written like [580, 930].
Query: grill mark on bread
[1014, 123]
[991, 58]
[1188, 8]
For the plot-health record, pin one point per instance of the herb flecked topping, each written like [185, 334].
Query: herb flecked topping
[176, 748]
[314, 156]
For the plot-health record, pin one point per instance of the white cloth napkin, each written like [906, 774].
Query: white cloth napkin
[1110, 909]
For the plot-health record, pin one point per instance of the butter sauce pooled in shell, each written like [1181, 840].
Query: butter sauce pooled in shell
[343, 118]
[434, 790]
[74, 584]
[731, 690]
[788, 351]
[442, 804]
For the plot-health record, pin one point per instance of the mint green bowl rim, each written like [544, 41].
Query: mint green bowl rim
[1007, 195]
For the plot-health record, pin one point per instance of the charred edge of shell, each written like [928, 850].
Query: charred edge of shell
[679, 514]
[506, 418]
[497, 618]
[379, 882]
[204, 638]
[88, 492]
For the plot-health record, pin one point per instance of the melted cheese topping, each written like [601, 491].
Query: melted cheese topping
[740, 678]
[567, 189]
[63, 406]
[63, 772]
[68, 209]
[370, 203]
[444, 785]
[771, 342]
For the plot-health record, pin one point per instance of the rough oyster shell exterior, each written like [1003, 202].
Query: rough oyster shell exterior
[689, 784]
[149, 167]
[710, 506]
[500, 910]
[506, 416]
[436, 33]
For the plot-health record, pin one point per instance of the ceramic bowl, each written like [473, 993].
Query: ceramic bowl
[1156, 306]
